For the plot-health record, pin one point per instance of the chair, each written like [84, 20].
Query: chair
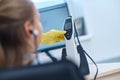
[63, 70]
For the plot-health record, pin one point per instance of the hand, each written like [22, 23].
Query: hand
[53, 36]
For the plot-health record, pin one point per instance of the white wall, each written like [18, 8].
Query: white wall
[102, 19]
[75, 10]
[47, 3]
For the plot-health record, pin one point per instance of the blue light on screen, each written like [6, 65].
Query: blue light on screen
[53, 17]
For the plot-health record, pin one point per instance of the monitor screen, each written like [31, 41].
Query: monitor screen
[53, 18]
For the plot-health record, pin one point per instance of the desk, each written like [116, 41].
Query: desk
[107, 71]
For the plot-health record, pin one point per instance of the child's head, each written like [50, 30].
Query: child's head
[17, 19]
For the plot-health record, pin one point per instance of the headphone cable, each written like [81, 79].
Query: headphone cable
[36, 52]
[86, 53]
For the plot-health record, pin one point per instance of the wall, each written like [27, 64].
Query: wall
[47, 3]
[102, 19]
[75, 10]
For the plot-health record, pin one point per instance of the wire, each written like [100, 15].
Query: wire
[47, 53]
[36, 52]
[94, 63]
[86, 52]
[51, 57]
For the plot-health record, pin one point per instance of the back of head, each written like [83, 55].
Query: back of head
[13, 43]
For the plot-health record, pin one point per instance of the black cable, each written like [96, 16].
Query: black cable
[64, 54]
[86, 52]
[51, 57]
[94, 63]
[47, 52]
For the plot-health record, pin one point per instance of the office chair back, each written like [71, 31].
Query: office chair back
[63, 70]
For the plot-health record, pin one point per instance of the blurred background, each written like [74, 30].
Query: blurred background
[98, 25]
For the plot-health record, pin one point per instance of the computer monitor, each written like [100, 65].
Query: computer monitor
[53, 18]
[63, 70]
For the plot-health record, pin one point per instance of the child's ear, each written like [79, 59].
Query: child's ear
[27, 28]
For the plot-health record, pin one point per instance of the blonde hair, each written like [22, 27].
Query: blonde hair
[13, 43]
